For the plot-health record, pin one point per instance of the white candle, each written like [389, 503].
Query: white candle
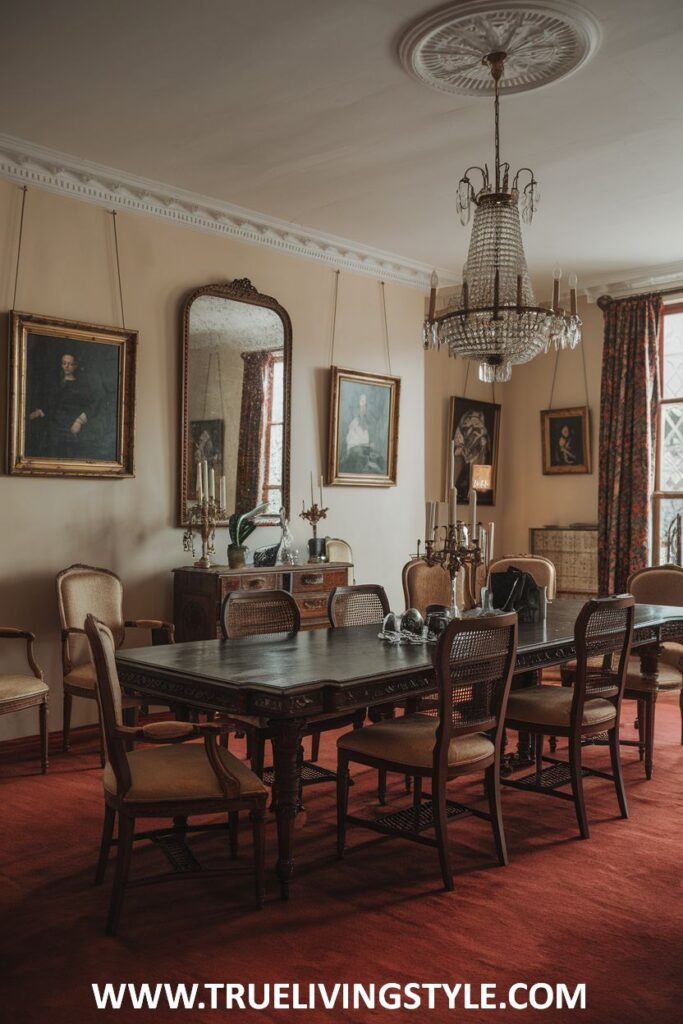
[212, 484]
[223, 494]
[473, 500]
[312, 498]
[453, 507]
[436, 519]
[452, 480]
[199, 482]
[205, 479]
[491, 528]
[321, 492]
[429, 519]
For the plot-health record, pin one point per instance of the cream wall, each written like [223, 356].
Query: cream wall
[68, 271]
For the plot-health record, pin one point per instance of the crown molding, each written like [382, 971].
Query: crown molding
[29, 164]
[642, 279]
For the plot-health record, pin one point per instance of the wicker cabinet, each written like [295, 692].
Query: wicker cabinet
[574, 553]
[198, 594]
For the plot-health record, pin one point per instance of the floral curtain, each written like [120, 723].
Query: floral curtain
[628, 405]
[252, 428]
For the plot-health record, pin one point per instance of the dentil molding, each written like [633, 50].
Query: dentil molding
[33, 165]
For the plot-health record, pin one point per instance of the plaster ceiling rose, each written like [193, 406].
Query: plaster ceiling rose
[543, 42]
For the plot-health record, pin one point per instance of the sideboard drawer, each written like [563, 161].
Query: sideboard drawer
[312, 606]
[251, 581]
[319, 579]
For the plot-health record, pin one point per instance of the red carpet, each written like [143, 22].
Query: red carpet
[607, 912]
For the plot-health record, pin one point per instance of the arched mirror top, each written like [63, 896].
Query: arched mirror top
[236, 393]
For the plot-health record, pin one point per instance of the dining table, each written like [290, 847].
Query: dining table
[289, 679]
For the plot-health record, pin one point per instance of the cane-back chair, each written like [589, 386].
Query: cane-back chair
[425, 584]
[171, 779]
[337, 550]
[460, 734]
[602, 634]
[541, 569]
[361, 605]
[83, 590]
[19, 690]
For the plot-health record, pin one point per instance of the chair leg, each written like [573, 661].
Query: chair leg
[44, 738]
[342, 801]
[417, 791]
[382, 785]
[649, 737]
[125, 847]
[105, 843]
[66, 729]
[577, 783]
[538, 751]
[492, 778]
[616, 770]
[233, 825]
[315, 746]
[257, 748]
[642, 717]
[258, 827]
[441, 827]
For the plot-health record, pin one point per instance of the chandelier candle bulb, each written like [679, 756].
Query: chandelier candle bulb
[557, 274]
[434, 284]
[573, 282]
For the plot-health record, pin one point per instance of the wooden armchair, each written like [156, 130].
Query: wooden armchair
[83, 590]
[171, 779]
[19, 691]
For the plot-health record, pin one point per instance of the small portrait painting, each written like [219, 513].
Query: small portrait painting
[72, 395]
[473, 428]
[363, 428]
[566, 440]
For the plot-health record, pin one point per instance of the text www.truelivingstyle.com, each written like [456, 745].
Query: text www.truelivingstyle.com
[350, 996]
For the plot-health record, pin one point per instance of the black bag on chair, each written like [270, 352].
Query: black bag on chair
[516, 591]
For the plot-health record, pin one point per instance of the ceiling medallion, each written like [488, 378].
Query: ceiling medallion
[543, 42]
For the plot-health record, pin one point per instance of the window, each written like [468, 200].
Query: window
[271, 460]
[668, 496]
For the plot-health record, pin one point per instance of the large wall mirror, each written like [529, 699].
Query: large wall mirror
[236, 375]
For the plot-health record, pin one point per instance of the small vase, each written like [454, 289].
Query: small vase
[236, 556]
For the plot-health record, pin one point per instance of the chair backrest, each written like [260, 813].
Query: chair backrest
[425, 584]
[542, 570]
[361, 605]
[103, 650]
[337, 550]
[603, 635]
[474, 661]
[84, 590]
[658, 584]
[260, 613]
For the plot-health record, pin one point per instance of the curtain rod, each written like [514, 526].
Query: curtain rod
[604, 300]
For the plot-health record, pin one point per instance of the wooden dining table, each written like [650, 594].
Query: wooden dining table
[291, 678]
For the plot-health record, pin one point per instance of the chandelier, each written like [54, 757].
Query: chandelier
[496, 321]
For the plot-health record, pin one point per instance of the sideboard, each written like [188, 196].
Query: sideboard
[198, 594]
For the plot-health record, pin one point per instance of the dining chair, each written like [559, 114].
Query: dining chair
[171, 779]
[541, 569]
[19, 690]
[337, 550]
[425, 584]
[460, 735]
[269, 614]
[602, 634]
[84, 589]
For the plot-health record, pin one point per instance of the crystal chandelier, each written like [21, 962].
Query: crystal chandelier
[496, 320]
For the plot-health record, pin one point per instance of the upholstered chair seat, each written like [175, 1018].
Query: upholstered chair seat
[668, 678]
[20, 691]
[552, 705]
[13, 687]
[409, 743]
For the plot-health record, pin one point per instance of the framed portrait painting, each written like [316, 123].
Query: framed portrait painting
[566, 440]
[72, 398]
[473, 434]
[363, 446]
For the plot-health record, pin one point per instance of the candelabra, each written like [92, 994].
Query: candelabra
[456, 551]
[313, 515]
[203, 517]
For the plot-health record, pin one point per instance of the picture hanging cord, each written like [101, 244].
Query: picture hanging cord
[386, 326]
[334, 315]
[21, 235]
[467, 374]
[213, 354]
[118, 267]
[585, 374]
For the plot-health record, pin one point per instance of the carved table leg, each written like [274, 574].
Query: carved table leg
[286, 738]
[649, 671]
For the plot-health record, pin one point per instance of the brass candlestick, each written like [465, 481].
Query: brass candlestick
[456, 552]
[313, 515]
[203, 516]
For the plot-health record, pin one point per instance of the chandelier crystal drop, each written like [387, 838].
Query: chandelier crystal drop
[496, 320]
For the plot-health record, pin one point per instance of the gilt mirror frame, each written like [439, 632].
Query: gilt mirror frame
[240, 290]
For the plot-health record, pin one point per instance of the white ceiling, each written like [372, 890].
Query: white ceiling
[301, 110]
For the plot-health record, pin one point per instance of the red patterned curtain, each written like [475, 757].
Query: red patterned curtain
[628, 403]
[252, 426]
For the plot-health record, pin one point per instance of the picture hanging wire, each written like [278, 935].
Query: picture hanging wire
[118, 267]
[585, 375]
[334, 315]
[386, 327]
[21, 235]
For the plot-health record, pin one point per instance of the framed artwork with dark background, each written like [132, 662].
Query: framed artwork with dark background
[473, 437]
[566, 440]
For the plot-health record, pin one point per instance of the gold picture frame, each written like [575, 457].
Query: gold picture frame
[364, 417]
[566, 440]
[71, 398]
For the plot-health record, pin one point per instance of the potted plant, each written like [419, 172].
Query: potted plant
[240, 527]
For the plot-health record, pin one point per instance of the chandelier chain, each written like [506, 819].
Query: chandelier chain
[21, 235]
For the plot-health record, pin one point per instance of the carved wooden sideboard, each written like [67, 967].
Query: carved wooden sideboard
[198, 594]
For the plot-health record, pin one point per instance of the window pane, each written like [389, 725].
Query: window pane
[278, 391]
[274, 499]
[671, 447]
[672, 369]
[275, 468]
[666, 546]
